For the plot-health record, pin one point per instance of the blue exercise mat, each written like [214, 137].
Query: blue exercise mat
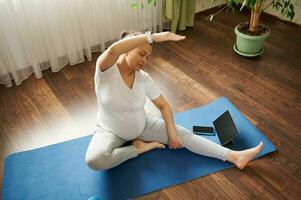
[59, 171]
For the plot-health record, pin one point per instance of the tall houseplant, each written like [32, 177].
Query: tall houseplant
[251, 35]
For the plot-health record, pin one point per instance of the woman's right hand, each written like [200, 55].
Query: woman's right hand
[167, 36]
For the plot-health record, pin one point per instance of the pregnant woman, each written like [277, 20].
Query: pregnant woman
[121, 88]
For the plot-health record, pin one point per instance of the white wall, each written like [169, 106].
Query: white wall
[206, 4]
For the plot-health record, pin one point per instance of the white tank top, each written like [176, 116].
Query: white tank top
[121, 109]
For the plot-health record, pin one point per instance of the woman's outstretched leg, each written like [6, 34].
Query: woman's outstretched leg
[155, 130]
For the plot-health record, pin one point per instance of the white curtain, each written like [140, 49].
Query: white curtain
[38, 34]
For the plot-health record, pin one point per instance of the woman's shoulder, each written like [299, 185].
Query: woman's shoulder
[104, 75]
[110, 70]
[143, 73]
[144, 76]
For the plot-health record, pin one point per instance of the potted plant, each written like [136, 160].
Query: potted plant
[251, 35]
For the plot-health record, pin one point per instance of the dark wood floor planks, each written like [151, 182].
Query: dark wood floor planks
[190, 73]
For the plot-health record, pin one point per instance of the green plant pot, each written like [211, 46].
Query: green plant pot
[248, 45]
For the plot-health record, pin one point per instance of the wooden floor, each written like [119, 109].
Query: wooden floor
[190, 73]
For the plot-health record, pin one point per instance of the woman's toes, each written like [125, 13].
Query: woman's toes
[160, 145]
[146, 146]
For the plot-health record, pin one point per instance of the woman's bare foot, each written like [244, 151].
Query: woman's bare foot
[146, 146]
[241, 158]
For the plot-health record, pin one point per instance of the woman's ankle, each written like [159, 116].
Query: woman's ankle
[232, 156]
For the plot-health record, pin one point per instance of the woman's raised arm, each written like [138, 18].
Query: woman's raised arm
[111, 54]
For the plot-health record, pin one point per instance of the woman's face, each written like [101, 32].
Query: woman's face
[137, 57]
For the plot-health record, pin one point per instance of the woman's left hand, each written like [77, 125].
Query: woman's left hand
[167, 36]
[175, 142]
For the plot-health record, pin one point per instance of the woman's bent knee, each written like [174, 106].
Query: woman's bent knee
[100, 163]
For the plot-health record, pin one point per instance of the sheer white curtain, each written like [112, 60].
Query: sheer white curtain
[38, 34]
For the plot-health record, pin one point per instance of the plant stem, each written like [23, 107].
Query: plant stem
[251, 19]
[220, 10]
[255, 13]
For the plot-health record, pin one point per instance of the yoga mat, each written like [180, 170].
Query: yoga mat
[59, 171]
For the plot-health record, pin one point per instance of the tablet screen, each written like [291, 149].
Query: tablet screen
[225, 128]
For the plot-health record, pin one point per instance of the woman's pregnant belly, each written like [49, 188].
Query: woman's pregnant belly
[127, 125]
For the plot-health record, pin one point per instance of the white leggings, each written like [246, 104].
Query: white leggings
[105, 149]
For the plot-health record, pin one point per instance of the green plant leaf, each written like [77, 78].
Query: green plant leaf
[134, 5]
[277, 5]
[235, 1]
[292, 15]
[288, 14]
[251, 3]
[243, 5]
[285, 12]
[292, 12]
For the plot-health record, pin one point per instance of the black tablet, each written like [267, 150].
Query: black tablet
[225, 128]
